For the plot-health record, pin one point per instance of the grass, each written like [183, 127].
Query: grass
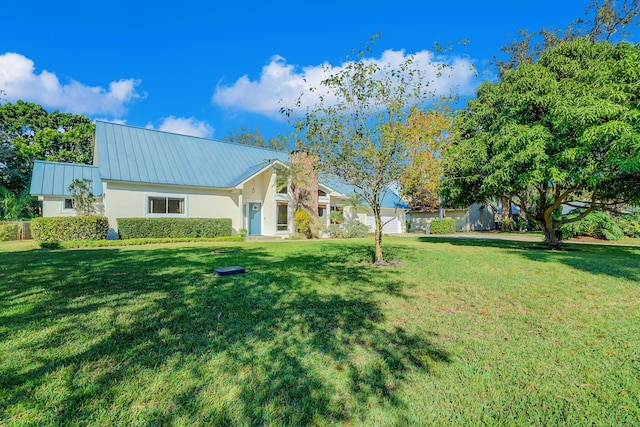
[459, 332]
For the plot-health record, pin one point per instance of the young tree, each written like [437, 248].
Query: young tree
[359, 127]
[564, 131]
[83, 197]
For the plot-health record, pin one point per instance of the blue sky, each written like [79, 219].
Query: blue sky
[206, 68]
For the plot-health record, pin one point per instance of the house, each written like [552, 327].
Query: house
[146, 173]
[477, 217]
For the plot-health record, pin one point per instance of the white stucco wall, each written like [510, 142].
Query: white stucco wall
[128, 200]
[54, 206]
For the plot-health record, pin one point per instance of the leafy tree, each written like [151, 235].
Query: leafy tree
[83, 198]
[564, 131]
[360, 135]
[421, 174]
[255, 138]
[604, 21]
[28, 133]
[15, 207]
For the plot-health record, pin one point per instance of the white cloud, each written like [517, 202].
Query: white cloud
[20, 81]
[185, 126]
[280, 84]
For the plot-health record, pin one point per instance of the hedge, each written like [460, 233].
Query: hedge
[64, 228]
[443, 226]
[9, 231]
[141, 228]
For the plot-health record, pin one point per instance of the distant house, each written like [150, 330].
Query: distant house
[147, 173]
[477, 217]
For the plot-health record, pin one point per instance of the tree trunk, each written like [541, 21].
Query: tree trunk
[377, 259]
[506, 213]
[550, 236]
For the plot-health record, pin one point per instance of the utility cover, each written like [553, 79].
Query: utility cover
[227, 271]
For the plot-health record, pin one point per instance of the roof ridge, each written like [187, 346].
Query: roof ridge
[192, 136]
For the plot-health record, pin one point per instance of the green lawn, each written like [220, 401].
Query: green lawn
[460, 332]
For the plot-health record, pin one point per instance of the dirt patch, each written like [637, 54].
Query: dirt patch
[387, 263]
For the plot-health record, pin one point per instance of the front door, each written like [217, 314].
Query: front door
[255, 218]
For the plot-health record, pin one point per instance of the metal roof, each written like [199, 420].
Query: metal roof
[391, 198]
[133, 154]
[51, 178]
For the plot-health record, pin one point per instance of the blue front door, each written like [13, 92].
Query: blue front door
[255, 218]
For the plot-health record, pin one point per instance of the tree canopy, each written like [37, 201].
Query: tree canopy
[603, 21]
[255, 138]
[28, 132]
[561, 132]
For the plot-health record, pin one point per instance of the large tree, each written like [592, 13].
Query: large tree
[360, 126]
[603, 21]
[28, 132]
[563, 132]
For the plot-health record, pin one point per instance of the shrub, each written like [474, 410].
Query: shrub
[302, 221]
[630, 225]
[9, 231]
[50, 245]
[354, 229]
[443, 226]
[335, 231]
[63, 228]
[597, 224]
[141, 228]
[349, 230]
[407, 226]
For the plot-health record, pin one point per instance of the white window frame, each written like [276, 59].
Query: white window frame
[65, 210]
[289, 219]
[148, 196]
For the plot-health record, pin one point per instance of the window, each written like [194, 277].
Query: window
[69, 204]
[165, 205]
[283, 216]
[322, 209]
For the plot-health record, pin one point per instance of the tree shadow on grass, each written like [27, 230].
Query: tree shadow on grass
[611, 260]
[145, 336]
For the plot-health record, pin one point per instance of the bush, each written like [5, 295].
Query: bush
[350, 229]
[9, 231]
[302, 222]
[630, 225]
[336, 231]
[598, 225]
[142, 228]
[64, 228]
[443, 226]
[354, 229]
